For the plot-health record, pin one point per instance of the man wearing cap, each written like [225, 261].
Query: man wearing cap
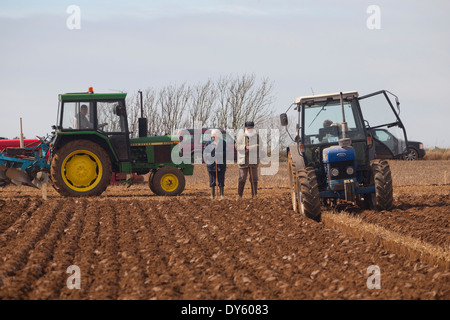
[247, 146]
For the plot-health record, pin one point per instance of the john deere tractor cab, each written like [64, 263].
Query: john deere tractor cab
[333, 154]
[92, 140]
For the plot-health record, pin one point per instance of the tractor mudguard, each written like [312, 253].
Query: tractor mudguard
[297, 159]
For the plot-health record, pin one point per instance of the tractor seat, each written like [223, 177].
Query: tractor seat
[332, 131]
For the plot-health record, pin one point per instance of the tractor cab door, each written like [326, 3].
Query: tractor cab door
[112, 121]
[383, 123]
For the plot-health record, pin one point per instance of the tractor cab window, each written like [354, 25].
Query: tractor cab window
[112, 122]
[78, 116]
[111, 116]
[322, 122]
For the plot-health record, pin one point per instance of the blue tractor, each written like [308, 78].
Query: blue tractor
[333, 157]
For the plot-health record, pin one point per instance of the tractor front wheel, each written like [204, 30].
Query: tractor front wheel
[150, 181]
[81, 169]
[383, 197]
[308, 194]
[168, 181]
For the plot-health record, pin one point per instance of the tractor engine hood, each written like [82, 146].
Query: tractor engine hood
[338, 154]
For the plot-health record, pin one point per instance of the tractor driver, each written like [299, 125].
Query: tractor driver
[327, 123]
[83, 121]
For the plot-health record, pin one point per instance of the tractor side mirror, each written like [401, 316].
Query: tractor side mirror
[284, 119]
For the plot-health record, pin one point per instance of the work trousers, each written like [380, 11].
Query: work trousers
[220, 177]
[243, 173]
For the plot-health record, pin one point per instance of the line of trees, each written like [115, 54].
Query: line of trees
[224, 103]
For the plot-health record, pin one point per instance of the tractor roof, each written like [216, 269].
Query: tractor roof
[85, 96]
[325, 97]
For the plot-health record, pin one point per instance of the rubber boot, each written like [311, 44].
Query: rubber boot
[255, 191]
[221, 192]
[213, 192]
[241, 189]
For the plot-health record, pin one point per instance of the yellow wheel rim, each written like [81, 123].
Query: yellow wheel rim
[82, 170]
[169, 182]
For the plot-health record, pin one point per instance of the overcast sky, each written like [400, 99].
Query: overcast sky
[299, 45]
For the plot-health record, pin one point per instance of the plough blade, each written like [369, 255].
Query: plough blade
[19, 178]
[41, 179]
[3, 177]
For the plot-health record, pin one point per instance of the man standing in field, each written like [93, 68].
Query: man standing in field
[247, 146]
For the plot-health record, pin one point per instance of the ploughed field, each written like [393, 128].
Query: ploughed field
[131, 244]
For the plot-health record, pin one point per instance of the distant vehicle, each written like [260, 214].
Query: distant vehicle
[416, 151]
[385, 141]
[197, 147]
[1, 138]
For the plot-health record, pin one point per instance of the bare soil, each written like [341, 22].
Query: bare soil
[131, 244]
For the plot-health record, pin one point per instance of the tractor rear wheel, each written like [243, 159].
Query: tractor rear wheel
[308, 194]
[81, 169]
[168, 181]
[383, 198]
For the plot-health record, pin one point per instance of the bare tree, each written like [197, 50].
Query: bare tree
[273, 122]
[226, 103]
[173, 102]
[241, 99]
[223, 104]
[133, 111]
[150, 112]
[203, 100]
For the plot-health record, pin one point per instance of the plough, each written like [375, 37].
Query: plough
[28, 165]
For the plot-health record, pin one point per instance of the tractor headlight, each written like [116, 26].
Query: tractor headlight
[334, 172]
[350, 171]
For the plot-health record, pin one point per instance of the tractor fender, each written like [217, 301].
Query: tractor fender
[297, 158]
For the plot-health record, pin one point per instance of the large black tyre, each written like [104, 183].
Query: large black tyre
[150, 181]
[81, 168]
[308, 194]
[168, 181]
[383, 198]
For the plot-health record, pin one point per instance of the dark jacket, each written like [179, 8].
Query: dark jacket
[221, 150]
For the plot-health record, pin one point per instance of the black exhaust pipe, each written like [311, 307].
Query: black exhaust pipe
[142, 121]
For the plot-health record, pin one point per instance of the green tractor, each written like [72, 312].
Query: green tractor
[92, 140]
